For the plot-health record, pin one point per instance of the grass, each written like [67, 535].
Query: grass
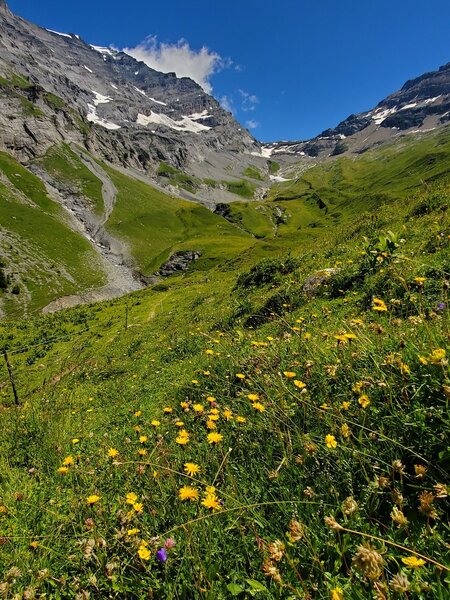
[67, 168]
[243, 188]
[332, 419]
[177, 177]
[253, 173]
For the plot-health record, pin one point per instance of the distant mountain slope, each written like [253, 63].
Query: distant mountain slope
[421, 104]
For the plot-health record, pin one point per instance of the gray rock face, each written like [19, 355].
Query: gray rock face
[421, 104]
[56, 87]
[180, 261]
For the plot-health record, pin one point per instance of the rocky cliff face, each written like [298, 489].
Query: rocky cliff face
[420, 105]
[56, 87]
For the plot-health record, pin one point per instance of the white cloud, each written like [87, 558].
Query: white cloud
[180, 58]
[252, 124]
[227, 103]
[249, 101]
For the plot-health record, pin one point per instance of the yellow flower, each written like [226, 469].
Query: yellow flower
[437, 356]
[253, 397]
[112, 452]
[420, 280]
[337, 594]
[138, 507]
[345, 430]
[258, 406]
[34, 545]
[138, 413]
[179, 423]
[289, 374]
[75, 441]
[168, 409]
[423, 360]
[211, 399]
[413, 562]
[183, 438]
[227, 414]
[214, 437]
[63, 470]
[143, 439]
[213, 417]
[364, 400]
[133, 531]
[211, 424]
[330, 441]
[198, 408]
[184, 405]
[209, 351]
[379, 305]
[211, 502]
[131, 498]
[240, 375]
[191, 469]
[188, 493]
[240, 419]
[307, 336]
[69, 460]
[214, 411]
[144, 552]
[92, 499]
[345, 405]
[299, 384]
[194, 381]
[142, 452]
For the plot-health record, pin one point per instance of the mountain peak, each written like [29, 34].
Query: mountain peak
[3, 5]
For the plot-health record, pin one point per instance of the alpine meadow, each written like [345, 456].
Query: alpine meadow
[224, 364]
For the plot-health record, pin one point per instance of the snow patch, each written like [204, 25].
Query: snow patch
[100, 98]
[66, 35]
[412, 105]
[278, 178]
[88, 69]
[157, 101]
[430, 100]
[185, 124]
[93, 117]
[266, 152]
[203, 115]
[113, 86]
[140, 91]
[380, 115]
[102, 49]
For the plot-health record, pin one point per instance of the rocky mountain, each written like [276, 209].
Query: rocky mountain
[57, 87]
[422, 104]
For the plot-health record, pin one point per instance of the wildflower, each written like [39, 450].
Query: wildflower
[161, 555]
[138, 413]
[399, 583]
[426, 500]
[75, 441]
[131, 498]
[211, 424]
[240, 375]
[194, 381]
[34, 544]
[398, 517]
[240, 419]
[368, 562]
[398, 466]
[330, 441]
[364, 400]
[179, 423]
[330, 521]
[92, 499]
[270, 570]
[142, 452]
[296, 531]
[379, 305]
[276, 550]
[168, 409]
[441, 490]
[112, 452]
[198, 408]
[211, 501]
[184, 405]
[349, 506]
[214, 437]
[144, 552]
[420, 471]
[299, 384]
[69, 460]
[169, 543]
[258, 406]
[423, 360]
[412, 562]
[253, 397]
[420, 280]
[289, 374]
[227, 413]
[345, 405]
[138, 507]
[155, 423]
[211, 399]
[63, 470]
[191, 469]
[143, 439]
[133, 531]
[209, 352]
[437, 356]
[188, 493]
[337, 593]
[182, 438]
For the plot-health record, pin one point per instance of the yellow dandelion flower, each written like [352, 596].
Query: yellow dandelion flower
[211, 502]
[137, 428]
[289, 374]
[155, 423]
[214, 437]
[182, 440]
[198, 408]
[133, 531]
[337, 593]
[437, 356]
[345, 405]
[195, 381]
[138, 507]
[92, 499]
[330, 441]
[168, 409]
[112, 452]
[144, 552]
[138, 413]
[240, 375]
[420, 280]
[209, 351]
[142, 452]
[253, 397]
[345, 430]
[214, 411]
[75, 441]
[211, 424]
[423, 360]
[179, 423]
[211, 399]
[131, 498]
[364, 400]
[413, 562]
[213, 417]
[63, 470]
[188, 493]
[227, 413]
[258, 406]
[34, 544]
[143, 439]
[184, 405]
[191, 469]
[379, 305]
[299, 384]
[69, 460]
[240, 419]
[307, 336]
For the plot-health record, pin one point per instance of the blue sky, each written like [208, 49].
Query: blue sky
[288, 68]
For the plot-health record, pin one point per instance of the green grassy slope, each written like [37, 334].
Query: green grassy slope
[46, 257]
[332, 487]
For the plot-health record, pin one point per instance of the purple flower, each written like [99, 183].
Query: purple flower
[441, 306]
[161, 555]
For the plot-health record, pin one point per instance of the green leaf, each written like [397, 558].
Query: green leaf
[234, 589]
[256, 585]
